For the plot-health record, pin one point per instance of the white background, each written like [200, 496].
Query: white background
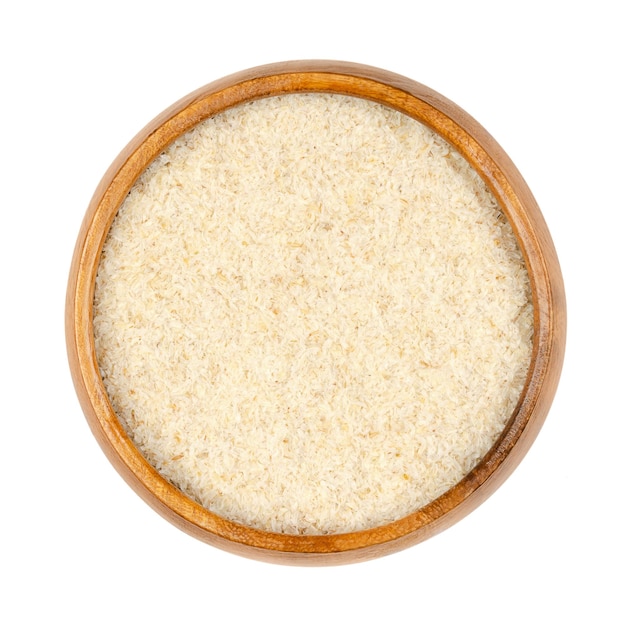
[79, 80]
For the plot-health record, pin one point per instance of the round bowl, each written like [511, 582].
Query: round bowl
[516, 201]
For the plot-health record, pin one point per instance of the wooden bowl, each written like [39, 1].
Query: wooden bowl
[500, 175]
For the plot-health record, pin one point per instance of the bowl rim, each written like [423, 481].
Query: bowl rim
[516, 201]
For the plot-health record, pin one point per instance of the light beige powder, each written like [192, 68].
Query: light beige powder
[311, 316]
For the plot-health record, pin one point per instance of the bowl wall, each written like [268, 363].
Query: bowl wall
[516, 200]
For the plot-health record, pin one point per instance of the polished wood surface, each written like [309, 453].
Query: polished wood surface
[516, 200]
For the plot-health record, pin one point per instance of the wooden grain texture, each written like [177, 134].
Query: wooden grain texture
[516, 200]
